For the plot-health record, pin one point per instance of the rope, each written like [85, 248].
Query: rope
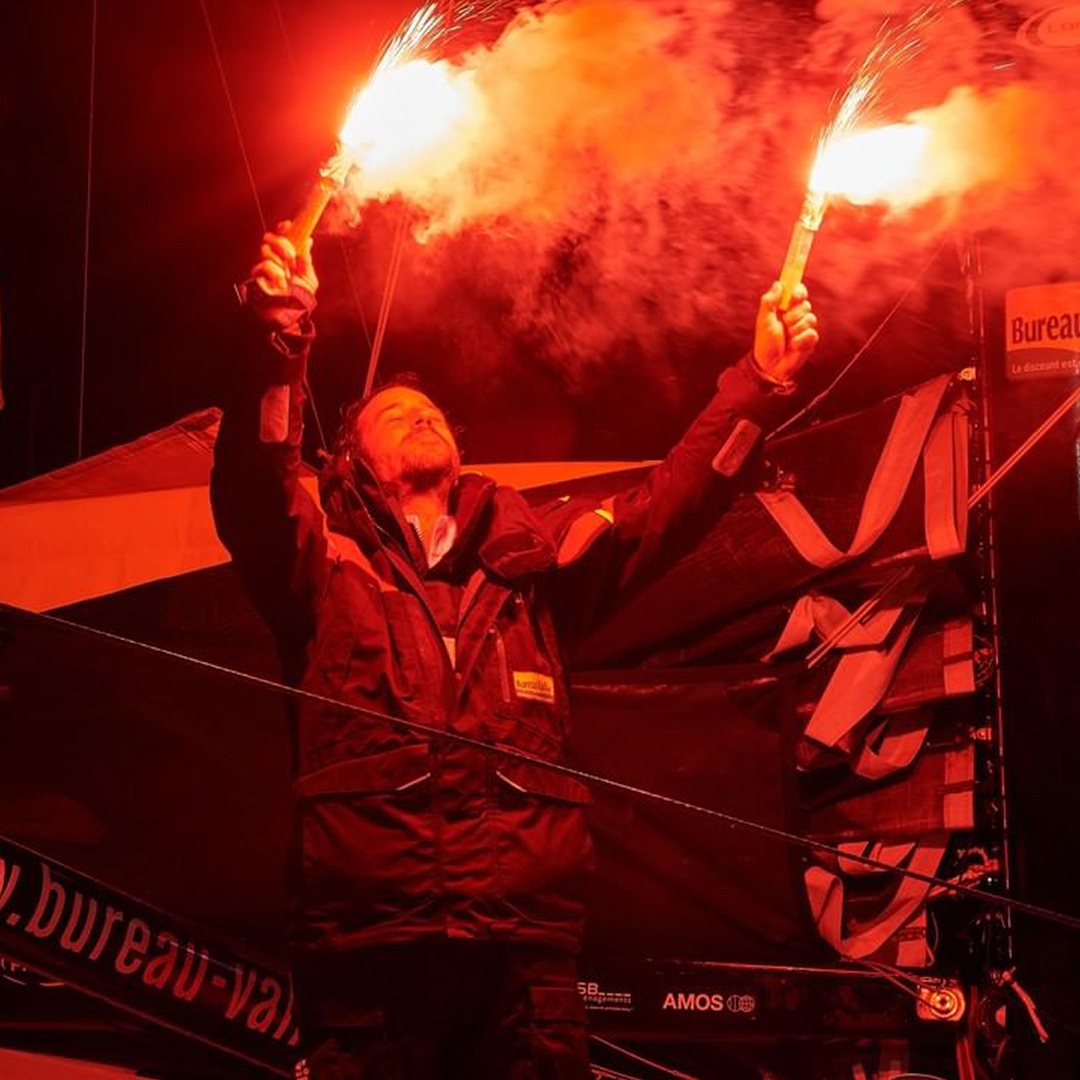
[862, 612]
[247, 164]
[352, 290]
[315, 413]
[1014, 458]
[387, 299]
[295, 75]
[288, 42]
[860, 352]
[232, 113]
[86, 229]
[508, 752]
[640, 1059]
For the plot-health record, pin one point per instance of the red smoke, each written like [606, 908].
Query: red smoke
[632, 181]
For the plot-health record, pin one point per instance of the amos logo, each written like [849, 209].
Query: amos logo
[698, 1001]
[691, 1002]
[1056, 28]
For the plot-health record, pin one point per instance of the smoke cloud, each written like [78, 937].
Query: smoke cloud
[630, 183]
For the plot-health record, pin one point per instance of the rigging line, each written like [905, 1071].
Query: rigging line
[315, 412]
[353, 291]
[602, 1072]
[904, 982]
[640, 1058]
[388, 296]
[288, 42]
[859, 615]
[86, 229]
[295, 71]
[581, 775]
[232, 112]
[389, 288]
[251, 180]
[1021, 451]
[882, 968]
[817, 399]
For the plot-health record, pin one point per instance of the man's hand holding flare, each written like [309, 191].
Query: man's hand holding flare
[784, 340]
[282, 265]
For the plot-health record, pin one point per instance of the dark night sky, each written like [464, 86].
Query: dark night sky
[173, 220]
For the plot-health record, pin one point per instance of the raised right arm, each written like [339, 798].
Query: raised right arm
[271, 525]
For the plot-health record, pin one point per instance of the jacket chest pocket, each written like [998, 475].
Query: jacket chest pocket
[524, 685]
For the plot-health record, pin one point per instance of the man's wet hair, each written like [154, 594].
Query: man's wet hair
[347, 440]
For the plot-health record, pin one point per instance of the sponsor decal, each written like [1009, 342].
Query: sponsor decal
[603, 1000]
[1042, 331]
[709, 1001]
[742, 1003]
[1054, 28]
[534, 685]
[56, 920]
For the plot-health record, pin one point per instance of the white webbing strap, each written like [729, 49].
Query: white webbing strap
[892, 475]
[858, 939]
[816, 614]
[892, 745]
[861, 678]
[864, 675]
[945, 474]
[958, 660]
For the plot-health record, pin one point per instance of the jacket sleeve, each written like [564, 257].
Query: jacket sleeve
[609, 550]
[270, 524]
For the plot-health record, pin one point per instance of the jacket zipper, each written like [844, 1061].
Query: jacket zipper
[504, 668]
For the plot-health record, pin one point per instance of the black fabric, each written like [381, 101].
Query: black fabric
[162, 779]
[709, 600]
[670, 882]
[482, 1010]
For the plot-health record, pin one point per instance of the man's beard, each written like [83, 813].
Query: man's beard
[427, 463]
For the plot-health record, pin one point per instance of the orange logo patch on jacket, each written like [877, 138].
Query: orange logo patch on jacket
[534, 685]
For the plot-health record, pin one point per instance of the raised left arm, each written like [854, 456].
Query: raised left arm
[607, 551]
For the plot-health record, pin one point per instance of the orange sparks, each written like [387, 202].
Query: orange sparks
[414, 104]
[853, 161]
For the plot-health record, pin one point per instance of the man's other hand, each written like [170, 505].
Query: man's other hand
[281, 265]
[784, 340]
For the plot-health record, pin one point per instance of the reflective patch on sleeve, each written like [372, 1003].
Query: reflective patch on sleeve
[534, 685]
[581, 534]
[736, 448]
[274, 415]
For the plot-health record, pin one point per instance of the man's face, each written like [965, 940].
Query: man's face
[406, 440]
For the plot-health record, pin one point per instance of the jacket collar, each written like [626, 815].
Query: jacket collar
[492, 520]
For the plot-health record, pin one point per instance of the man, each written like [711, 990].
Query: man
[438, 883]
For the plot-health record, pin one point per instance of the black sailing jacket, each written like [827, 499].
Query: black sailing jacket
[400, 836]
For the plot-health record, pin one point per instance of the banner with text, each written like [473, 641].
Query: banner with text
[1042, 331]
[69, 926]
